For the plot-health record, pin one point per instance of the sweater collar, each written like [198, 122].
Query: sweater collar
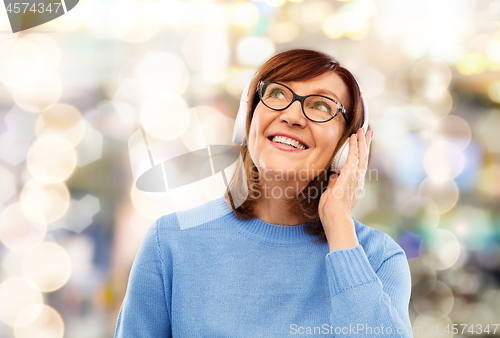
[269, 233]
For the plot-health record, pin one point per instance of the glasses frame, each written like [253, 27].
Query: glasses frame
[340, 106]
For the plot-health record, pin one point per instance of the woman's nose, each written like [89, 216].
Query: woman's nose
[293, 114]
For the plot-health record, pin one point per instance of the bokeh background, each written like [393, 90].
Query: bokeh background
[75, 90]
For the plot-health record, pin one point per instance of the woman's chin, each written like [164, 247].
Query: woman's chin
[282, 170]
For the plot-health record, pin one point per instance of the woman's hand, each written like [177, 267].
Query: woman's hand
[343, 192]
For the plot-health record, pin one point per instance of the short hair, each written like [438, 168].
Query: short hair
[294, 65]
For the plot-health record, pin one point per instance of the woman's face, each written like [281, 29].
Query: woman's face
[321, 139]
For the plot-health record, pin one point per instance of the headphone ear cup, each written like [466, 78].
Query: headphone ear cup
[340, 159]
[239, 131]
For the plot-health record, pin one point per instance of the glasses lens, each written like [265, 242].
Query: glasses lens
[318, 108]
[275, 95]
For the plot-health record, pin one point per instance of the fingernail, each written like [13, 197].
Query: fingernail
[373, 133]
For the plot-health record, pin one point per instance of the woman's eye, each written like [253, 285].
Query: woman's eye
[277, 94]
[322, 106]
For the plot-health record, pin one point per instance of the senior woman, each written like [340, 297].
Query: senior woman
[290, 259]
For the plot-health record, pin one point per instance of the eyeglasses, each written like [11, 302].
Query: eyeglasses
[317, 108]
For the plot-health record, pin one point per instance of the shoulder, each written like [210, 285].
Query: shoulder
[377, 245]
[187, 225]
[196, 217]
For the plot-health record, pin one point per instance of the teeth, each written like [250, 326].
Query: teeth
[288, 141]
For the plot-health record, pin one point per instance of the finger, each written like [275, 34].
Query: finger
[363, 144]
[352, 157]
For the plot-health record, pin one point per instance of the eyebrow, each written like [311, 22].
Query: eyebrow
[319, 91]
[322, 91]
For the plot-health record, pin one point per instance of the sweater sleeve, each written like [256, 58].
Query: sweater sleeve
[144, 311]
[368, 303]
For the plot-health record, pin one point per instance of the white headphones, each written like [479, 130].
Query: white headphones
[239, 132]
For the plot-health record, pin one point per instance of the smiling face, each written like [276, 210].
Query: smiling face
[320, 139]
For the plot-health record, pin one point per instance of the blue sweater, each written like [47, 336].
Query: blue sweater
[205, 273]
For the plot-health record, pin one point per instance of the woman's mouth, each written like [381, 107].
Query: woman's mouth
[287, 141]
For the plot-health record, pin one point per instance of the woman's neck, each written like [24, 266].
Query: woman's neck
[273, 205]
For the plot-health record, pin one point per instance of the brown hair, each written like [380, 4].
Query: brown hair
[294, 65]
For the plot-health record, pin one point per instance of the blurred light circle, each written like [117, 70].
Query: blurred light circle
[365, 8]
[139, 33]
[390, 58]
[444, 193]
[440, 249]
[49, 49]
[433, 295]
[373, 83]
[472, 63]
[284, 31]
[275, 3]
[490, 299]
[165, 119]
[453, 129]
[61, 119]
[163, 74]
[51, 159]
[40, 95]
[332, 26]
[430, 77]
[48, 265]
[243, 14]
[152, 205]
[313, 13]
[494, 91]
[93, 14]
[17, 232]
[417, 82]
[69, 21]
[254, 51]
[493, 65]
[116, 118]
[353, 24]
[419, 213]
[489, 180]
[22, 62]
[44, 203]
[16, 293]
[206, 52]
[6, 50]
[487, 130]
[39, 321]
[11, 263]
[130, 91]
[466, 283]
[217, 127]
[431, 324]
[395, 121]
[444, 160]
[128, 21]
[420, 272]
[439, 106]
[494, 48]
[237, 79]
[26, 58]
[8, 184]
[473, 226]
